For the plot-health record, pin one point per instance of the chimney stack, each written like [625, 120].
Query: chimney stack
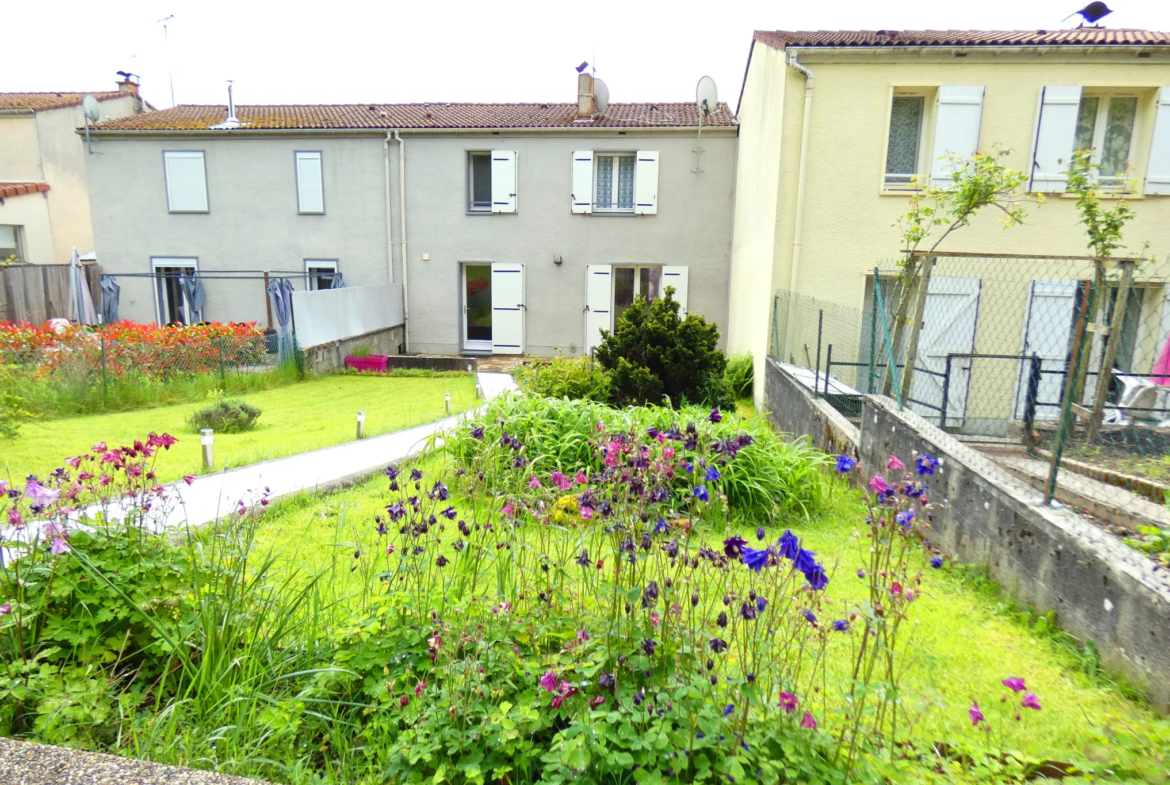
[585, 98]
[128, 86]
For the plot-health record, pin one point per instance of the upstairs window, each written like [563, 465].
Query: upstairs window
[614, 178]
[480, 174]
[186, 176]
[310, 184]
[491, 181]
[904, 150]
[1105, 123]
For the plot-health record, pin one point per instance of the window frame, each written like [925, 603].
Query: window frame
[1105, 96]
[167, 182]
[616, 155]
[921, 178]
[160, 305]
[470, 204]
[637, 268]
[311, 278]
[321, 174]
[18, 241]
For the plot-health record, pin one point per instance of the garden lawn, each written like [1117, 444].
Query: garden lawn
[308, 415]
[965, 641]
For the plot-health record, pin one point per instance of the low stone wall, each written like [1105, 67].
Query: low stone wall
[433, 363]
[793, 409]
[330, 356]
[1051, 559]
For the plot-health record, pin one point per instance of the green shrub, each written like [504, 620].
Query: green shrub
[360, 350]
[654, 355]
[12, 412]
[226, 416]
[739, 375]
[564, 377]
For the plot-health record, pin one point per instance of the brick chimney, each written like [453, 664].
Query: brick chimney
[126, 86]
[585, 101]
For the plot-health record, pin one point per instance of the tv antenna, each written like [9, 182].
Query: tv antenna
[167, 46]
[706, 101]
[93, 113]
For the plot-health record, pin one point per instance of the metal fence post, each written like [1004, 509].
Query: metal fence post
[1080, 350]
[916, 327]
[873, 330]
[942, 415]
[828, 366]
[222, 369]
[776, 325]
[817, 371]
[1030, 399]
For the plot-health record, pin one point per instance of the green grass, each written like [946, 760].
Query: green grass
[965, 641]
[304, 416]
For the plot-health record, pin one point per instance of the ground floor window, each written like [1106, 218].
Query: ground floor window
[629, 282]
[477, 303]
[10, 243]
[319, 273]
[171, 306]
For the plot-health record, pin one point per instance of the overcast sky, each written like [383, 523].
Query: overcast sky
[340, 51]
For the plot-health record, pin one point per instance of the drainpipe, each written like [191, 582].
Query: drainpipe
[402, 240]
[800, 177]
[389, 209]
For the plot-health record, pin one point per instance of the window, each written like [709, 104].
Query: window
[320, 274]
[171, 304]
[1105, 122]
[904, 151]
[10, 243]
[614, 182]
[491, 181]
[629, 282]
[186, 181]
[310, 187]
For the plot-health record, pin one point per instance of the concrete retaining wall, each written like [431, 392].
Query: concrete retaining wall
[330, 356]
[793, 409]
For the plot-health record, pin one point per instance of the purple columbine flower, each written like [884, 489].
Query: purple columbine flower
[1030, 701]
[449, 513]
[715, 416]
[1014, 683]
[722, 620]
[648, 646]
[760, 533]
[845, 464]
[549, 681]
[789, 545]
[415, 475]
[728, 711]
[810, 616]
[754, 558]
[788, 702]
[38, 495]
[817, 579]
[718, 645]
[840, 625]
[712, 474]
[761, 604]
[805, 561]
[60, 546]
[441, 561]
[700, 493]
[477, 433]
[925, 464]
[733, 546]
[747, 611]
[975, 714]
[391, 473]
[906, 519]
[936, 562]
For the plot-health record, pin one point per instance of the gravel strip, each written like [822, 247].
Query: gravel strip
[26, 763]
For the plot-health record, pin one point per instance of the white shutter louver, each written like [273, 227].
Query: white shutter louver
[310, 189]
[504, 180]
[646, 183]
[958, 115]
[1158, 171]
[677, 276]
[598, 303]
[186, 181]
[582, 195]
[1056, 130]
[507, 308]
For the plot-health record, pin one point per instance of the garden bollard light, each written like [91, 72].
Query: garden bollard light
[447, 398]
[207, 439]
[361, 425]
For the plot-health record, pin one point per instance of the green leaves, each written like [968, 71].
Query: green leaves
[1103, 226]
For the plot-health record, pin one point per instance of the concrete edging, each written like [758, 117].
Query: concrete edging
[792, 408]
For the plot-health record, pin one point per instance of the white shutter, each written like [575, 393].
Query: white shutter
[582, 196]
[676, 277]
[507, 308]
[1158, 171]
[598, 303]
[1056, 131]
[504, 181]
[1047, 325]
[956, 129]
[646, 183]
[186, 182]
[310, 189]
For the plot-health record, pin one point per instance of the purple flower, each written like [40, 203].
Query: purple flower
[760, 534]
[391, 473]
[441, 561]
[549, 681]
[449, 513]
[789, 545]
[440, 490]
[718, 645]
[925, 464]
[722, 620]
[754, 558]
[878, 485]
[700, 493]
[975, 714]
[906, 519]
[715, 416]
[936, 562]
[733, 545]
[38, 495]
[1030, 701]
[788, 702]
[607, 682]
[761, 603]
[415, 475]
[712, 474]
[727, 712]
[804, 561]
[5, 609]
[816, 577]
[840, 625]
[477, 433]
[1014, 683]
[809, 721]
[812, 619]
[60, 546]
[747, 611]
[845, 464]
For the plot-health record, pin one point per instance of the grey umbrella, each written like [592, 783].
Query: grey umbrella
[280, 293]
[111, 292]
[337, 282]
[194, 294]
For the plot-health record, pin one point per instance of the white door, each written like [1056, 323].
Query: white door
[598, 303]
[948, 327]
[170, 305]
[1047, 332]
[507, 308]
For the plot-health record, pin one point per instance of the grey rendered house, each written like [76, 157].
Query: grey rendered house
[511, 228]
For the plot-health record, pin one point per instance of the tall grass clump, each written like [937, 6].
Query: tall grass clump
[769, 477]
[739, 374]
[579, 378]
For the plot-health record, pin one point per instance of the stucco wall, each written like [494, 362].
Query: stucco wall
[253, 223]
[20, 157]
[31, 211]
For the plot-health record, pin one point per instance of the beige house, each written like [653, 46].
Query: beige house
[836, 127]
[44, 199]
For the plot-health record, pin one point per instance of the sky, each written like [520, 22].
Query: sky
[342, 51]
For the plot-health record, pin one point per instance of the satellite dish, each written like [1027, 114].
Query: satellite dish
[706, 96]
[600, 96]
[93, 110]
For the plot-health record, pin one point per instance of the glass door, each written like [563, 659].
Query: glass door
[477, 307]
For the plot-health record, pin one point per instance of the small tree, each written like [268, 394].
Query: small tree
[1103, 226]
[654, 354]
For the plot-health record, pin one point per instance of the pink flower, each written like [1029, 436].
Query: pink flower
[599, 427]
[975, 715]
[435, 643]
[509, 509]
[422, 685]
[1030, 701]
[38, 495]
[5, 609]
[14, 517]
[809, 721]
[1015, 684]
[105, 480]
[661, 437]
[74, 462]
[586, 513]
[548, 682]
[100, 447]
[189, 478]
[896, 590]
[558, 700]
[582, 479]
[534, 483]
[560, 481]
[668, 453]
[53, 529]
[582, 636]
[655, 619]
[403, 701]
[788, 702]
[59, 546]
[894, 464]
[598, 701]
[3, 487]
[878, 484]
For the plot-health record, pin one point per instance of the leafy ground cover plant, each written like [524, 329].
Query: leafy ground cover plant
[739, 375]
[579, 378]
[225, 415]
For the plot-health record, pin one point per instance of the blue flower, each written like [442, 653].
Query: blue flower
[718, 645]
[789, 545]
[755, 559]
[925, 464]
[733, 546]
[906, 519]
[804, 561]
[440, 490]
[715, 416]
[477, 433]
[936, 562]
[812, 619]
[760, 534]
[712, 474]
[841, 625]
[761, 603]
[700, 493]
[816, 577]
[727, 712]
[415, 475]
[391, 472]
[661, 527]
[845, 464]
[449, 513]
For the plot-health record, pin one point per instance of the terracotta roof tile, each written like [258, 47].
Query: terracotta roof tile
[42, 101]
[1079, 36]
[8, 190]
[419, 116]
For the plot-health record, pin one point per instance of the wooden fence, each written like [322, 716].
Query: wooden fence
[36, 293]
